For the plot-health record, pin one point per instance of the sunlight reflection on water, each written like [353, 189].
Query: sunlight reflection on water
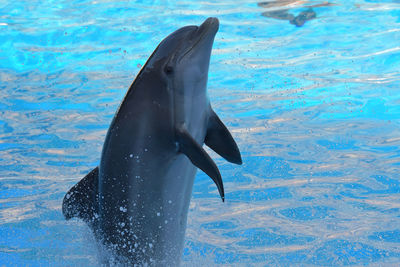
[314, 109]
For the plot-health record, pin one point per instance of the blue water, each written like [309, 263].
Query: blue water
[315, 111]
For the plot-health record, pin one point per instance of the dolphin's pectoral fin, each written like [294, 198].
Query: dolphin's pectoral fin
[220, 140]
[199, 157]
[79, 201]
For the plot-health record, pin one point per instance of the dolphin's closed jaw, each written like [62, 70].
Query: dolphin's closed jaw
[211, 25]
[201, 42]
[207, 31]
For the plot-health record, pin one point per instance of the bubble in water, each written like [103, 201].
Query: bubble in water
[123, 209]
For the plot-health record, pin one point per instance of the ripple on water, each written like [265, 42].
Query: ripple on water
[314, 109]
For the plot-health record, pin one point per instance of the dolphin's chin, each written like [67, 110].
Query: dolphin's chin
[206, 32]
[202, 38]
[210, 27]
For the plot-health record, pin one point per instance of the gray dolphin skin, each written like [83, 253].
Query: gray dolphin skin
[136, 201]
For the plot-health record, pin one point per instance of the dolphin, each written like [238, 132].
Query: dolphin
[136, 201]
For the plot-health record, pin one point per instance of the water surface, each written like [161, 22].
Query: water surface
[315, 111]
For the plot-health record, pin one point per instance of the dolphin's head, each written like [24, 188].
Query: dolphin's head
[181, 61]
[186, 50]
[187, 66]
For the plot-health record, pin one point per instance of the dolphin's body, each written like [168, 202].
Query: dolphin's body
[137, 200]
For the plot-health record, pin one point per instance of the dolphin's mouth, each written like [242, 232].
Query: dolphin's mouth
[209, 27]
[205, 33]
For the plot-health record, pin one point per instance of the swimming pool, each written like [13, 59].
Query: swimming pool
[314, 109]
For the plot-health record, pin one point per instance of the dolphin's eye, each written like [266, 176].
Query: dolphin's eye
[169, 70]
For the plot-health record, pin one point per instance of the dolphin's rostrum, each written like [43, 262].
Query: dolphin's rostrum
[136, 201]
